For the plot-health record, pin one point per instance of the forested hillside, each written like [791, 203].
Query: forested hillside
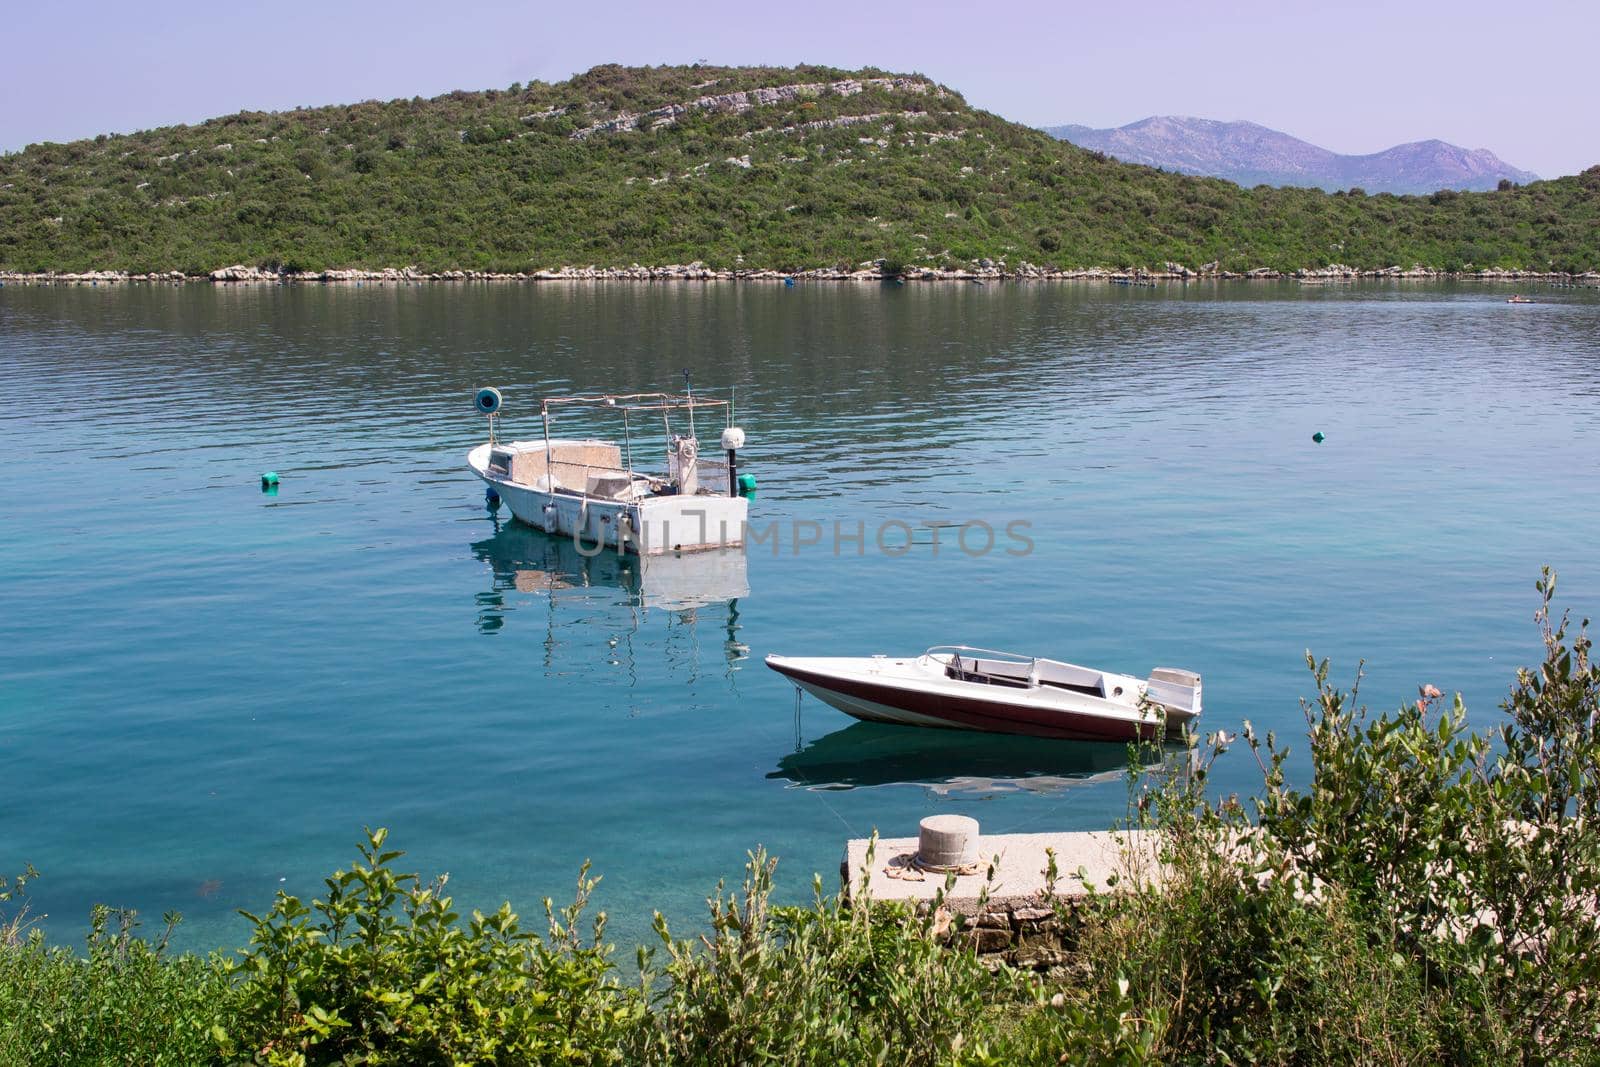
[756, 167]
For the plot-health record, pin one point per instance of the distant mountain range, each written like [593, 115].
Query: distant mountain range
[1250, 155]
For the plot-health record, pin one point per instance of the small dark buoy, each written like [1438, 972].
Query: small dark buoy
[269, 478]
[788, 283]
[1318, 437]
[491, 499]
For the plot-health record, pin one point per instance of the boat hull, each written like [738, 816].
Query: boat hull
[900, 693]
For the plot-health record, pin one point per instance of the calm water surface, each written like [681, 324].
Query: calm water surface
[206, 692]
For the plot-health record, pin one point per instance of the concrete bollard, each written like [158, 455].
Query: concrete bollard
[947, 842]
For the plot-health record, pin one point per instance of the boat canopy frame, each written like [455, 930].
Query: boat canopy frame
[626, 403]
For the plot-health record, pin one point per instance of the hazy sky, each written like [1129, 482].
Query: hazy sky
[1354, 76]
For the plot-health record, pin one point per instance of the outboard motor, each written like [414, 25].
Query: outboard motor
[1174, 688]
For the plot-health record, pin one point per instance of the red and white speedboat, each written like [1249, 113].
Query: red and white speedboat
[963, 688]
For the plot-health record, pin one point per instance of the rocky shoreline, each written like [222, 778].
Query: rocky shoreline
[983, 271]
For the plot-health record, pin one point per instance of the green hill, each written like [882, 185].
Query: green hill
[753, 166]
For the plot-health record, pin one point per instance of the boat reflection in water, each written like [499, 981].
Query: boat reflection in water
[614, 594]
[957, 761]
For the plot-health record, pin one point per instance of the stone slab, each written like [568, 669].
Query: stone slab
[1019, 860]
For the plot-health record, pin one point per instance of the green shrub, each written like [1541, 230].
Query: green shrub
[383, 971]
[124, 1002]
[1478, 855]
[840, 981]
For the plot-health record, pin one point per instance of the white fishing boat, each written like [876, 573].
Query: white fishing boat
[588, 489]
[962, 688]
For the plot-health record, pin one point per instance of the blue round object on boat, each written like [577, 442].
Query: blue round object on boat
[487, 400]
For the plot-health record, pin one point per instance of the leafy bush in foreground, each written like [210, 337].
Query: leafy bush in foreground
[1433, 894]
[382, 971]
[821, 985]
[122, 1002]
[1430, 895]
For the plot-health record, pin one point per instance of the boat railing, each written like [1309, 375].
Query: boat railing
[713, 475]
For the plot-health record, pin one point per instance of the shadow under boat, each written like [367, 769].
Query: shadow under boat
[957, 761]
[531, 561]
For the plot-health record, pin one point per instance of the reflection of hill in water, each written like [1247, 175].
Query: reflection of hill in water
[951, 761]
[696, 590]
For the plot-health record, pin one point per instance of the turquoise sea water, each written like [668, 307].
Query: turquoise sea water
[206, 691]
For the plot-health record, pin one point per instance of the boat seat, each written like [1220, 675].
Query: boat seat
[988, 672]
[1087, 690]
[1068, 676]
[985, 679]
[612, 485]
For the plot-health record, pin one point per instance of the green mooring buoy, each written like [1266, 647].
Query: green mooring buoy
[269, 478]
[1318, 437]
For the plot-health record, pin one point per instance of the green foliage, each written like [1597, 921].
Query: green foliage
[123, 1002]
[833, 983]
[14, 892]
[1428, 897]
[1225, 960]
[383, 971]
[498, 180]
[1478, 855]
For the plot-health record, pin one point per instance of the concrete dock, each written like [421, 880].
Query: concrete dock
[1020, 863]
[1018, 923]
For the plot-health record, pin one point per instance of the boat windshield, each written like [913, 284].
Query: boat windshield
[984, 653]
[986, 666]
